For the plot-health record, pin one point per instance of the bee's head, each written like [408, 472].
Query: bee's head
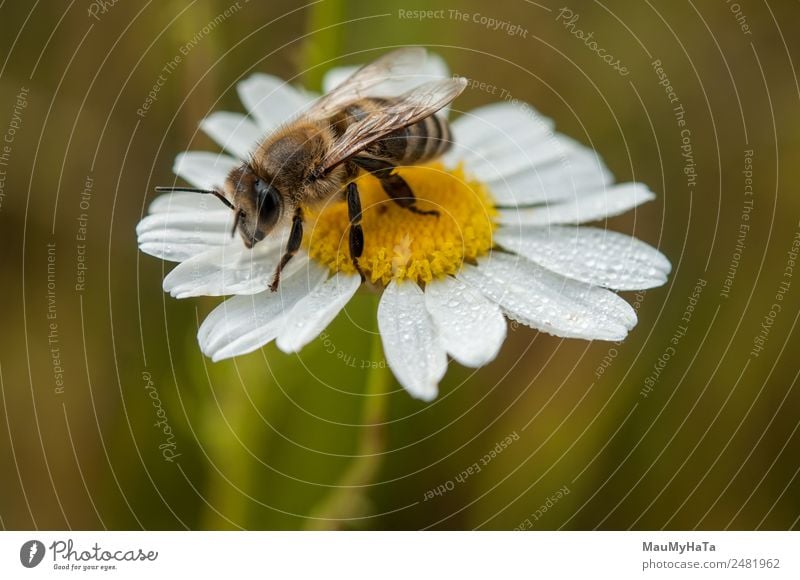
[257, 202]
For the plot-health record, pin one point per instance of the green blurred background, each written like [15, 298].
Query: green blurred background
[269, 441]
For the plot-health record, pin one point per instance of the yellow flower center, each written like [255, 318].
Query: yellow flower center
[400, 244]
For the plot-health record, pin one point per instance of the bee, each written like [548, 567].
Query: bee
[343, 134]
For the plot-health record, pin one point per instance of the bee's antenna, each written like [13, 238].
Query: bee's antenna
[219, 195]
[236, 221]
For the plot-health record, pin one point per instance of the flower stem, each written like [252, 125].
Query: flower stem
[348, 500]
[324, 21]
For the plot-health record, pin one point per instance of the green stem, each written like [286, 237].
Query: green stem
[347, 500]
[233, 434]
[325, 22]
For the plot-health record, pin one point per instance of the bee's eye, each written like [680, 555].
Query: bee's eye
[268, 201]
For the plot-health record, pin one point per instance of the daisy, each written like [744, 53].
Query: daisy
[510, 194]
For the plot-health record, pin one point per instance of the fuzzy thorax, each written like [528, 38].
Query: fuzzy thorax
[403, 245]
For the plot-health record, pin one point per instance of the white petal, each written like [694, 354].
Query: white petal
[313, 313]
[229, 270]
[271, 100]
[612, 201]
[186, 222]
[172, 252]
[233, 131]
[503, 155]
[541, 299]
[177, 236]
[577, 173]
[336, 76]
[492, 131]
[470, 326]
[591, 255]
[203, 169]
[514, 150]
[182, 201]
[243, 324]
[433, 68]
[412, 349]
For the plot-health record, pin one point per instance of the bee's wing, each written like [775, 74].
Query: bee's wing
[418, 103]
[403, 61]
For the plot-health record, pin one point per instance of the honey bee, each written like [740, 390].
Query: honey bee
[341, 135]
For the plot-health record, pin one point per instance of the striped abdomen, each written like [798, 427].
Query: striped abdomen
[418, 143]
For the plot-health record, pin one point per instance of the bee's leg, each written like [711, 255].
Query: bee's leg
[295, 237]
[356, 233]
[393, 184]
[397, 188]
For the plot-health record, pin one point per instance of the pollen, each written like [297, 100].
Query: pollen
[400, 244]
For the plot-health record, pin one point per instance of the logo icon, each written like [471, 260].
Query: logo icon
[31, 553]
